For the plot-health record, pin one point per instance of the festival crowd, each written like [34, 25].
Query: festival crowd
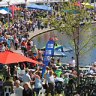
[24, 79]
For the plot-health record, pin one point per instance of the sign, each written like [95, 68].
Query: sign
[49, 52]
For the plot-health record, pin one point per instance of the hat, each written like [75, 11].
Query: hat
[28, 84]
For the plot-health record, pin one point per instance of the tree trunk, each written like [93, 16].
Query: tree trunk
[77, 56]
[76, 43]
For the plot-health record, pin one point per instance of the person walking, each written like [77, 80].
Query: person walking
[38, 83]
[51, 84]
[18, 90]
[26, 77]
[27, 90]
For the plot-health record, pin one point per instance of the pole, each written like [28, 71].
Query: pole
[25, 10]
[94, 5]
[8, 16]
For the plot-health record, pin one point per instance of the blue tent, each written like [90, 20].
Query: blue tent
[45, 7]
[39, 7]
[5, 8]
[59, 54]
[33, 6]
[63, 49]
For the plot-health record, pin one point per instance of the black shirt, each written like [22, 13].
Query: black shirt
[27, 92]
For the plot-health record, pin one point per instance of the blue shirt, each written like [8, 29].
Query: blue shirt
[38, 83]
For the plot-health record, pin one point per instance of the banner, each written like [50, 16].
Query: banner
[49, 52]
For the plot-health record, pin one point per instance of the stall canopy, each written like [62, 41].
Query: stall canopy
[43, 1]
[39, 7]
[12, 2]
[3, 4]
[5, 8]
[36, 1]
[9, 57]
[3, 12]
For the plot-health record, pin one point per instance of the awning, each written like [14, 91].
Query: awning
[2, 11]
[39, 7]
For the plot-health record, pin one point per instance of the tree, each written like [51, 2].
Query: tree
[74, 20]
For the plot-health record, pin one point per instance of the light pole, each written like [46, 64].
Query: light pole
[8, 15]
[8, 2]
[94, 5]
[25, 9]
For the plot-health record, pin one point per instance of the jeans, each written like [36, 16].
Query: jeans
[37, 91]
[50, 89]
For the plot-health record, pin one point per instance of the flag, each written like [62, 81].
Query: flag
[49, 52]
[13, 10]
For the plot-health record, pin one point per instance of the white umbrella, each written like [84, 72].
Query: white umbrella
[3, 4]
[36, 1]
[2, 11]
[14, 2]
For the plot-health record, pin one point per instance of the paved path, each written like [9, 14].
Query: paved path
[38, 32]
[34, 34]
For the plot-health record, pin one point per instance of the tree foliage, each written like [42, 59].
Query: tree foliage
[71, 19]
[76, 22]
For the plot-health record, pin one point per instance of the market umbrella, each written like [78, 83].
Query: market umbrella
[9, 57]
[2, 11]
[87, 5]
[59, 54]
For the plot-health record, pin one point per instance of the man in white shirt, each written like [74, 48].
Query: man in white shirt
[18, 89]
[72, 63]
[26, 77]
[51, 83]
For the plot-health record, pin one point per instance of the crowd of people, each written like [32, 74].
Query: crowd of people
[31, 82]
[24, 79]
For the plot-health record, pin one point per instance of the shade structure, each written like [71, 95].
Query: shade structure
[14, 2]
[39, 7]
[3, 4]
[9, 57]
[44, 1]
[87, 5]
[36, 1]
[6, 9]
[60, 48]
[2, 11]
[59, 54]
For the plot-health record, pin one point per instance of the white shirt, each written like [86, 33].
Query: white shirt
[72, 63]
[18, 91]
[26, 78]
[51, 79]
